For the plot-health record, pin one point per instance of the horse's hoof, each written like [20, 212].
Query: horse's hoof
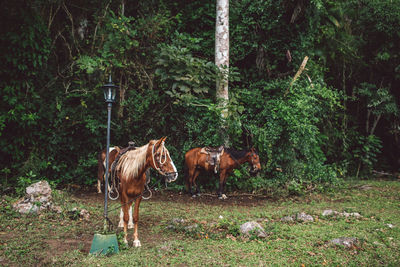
[131, 225]
[126, 241]
[194, 196]
[222, 197]
[136, 243]
[121, 224]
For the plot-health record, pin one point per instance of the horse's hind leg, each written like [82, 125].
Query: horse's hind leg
[98, 186]
[190, 179]
[136, 241]
[195, 175]
[100, 176]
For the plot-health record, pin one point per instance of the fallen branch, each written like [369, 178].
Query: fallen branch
[298, 73]
[238, 195]
[385, 173]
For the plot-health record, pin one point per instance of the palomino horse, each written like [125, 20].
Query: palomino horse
[101, 164]
[131, 170]
[196, 161]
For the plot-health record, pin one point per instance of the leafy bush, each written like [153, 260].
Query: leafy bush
[286, 128]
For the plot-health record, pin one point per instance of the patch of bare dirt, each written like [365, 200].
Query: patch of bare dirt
[59, 247]
[88, 196]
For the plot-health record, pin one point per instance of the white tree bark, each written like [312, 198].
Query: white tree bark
[222, 54]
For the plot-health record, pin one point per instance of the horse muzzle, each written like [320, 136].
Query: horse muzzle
[171, 177]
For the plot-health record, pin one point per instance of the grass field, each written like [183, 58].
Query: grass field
[62, 239]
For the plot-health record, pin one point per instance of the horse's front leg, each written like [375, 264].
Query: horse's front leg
[121, 219]
[222, 183]
[136, 241]
[125, 212]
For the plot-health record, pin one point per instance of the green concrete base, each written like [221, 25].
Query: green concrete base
[104, 244]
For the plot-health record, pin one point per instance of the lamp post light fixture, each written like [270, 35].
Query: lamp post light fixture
[110, 91]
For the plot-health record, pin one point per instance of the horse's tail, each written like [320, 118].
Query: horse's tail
[100, 166]
[186, 171]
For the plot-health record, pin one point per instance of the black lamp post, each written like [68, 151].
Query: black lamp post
[110, 91]
[106, 243]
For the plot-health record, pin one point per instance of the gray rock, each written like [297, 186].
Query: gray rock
[56, 209]
[389, 225]
[26, 208]
[288, 218]
[171, 227]
[212, 224]
[343, 214]
[166, 247]
[302, 217]
[40, 189]
[38, 198]
[365, 187]
[350, 214]
[76, 213]
[347, 242]
[191, 228]
[84, 214]
[329, 212]
[177, 221]
[252, 227]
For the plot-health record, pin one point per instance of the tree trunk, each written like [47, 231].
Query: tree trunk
[222, 59]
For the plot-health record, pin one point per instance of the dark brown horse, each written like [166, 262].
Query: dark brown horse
[196, 161]
[101, 164]
[131, 170]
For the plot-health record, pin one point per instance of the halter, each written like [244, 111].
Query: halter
[165, 153]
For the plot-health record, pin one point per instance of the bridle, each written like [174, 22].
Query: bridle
[165, 153]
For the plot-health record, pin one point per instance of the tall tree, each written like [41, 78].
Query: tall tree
[222, 59]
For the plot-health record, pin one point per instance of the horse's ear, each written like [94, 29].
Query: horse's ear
[164, 138]
[158, 142]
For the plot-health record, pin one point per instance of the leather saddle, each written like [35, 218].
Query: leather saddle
[213, 156]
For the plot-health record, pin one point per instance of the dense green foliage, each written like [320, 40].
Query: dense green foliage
[339, 117]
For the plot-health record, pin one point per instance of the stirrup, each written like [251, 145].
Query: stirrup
[113, 189]
[148, 189]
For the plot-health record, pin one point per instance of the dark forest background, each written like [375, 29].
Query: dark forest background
[339, 119]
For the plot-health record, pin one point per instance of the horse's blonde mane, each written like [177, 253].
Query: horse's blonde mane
[132, 161]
